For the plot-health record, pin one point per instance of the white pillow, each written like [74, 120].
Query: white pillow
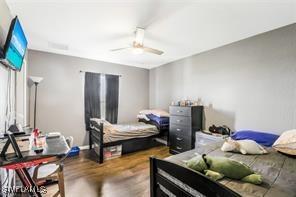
[99, 121]
[108, 127]
[286, 143]
[243, 146]
[143, 116]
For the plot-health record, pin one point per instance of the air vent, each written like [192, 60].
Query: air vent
[58, 46]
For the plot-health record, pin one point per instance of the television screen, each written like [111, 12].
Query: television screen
[15, 46]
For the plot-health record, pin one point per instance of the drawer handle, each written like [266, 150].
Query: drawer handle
[179, 138]
[179, 130]
[179, 148]
[179, 120]
[179, 111]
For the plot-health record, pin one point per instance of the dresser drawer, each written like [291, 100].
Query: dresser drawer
[180, 138]
[180, 120]
[180, 130]
[180, 144]
[180, 111]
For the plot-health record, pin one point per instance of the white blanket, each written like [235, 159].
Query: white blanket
[117, 132]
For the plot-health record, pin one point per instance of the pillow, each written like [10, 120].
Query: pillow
[243, 146]
[108, 127]
[156, 112]
[143, 117]
[265, 139]
[286, 143]
[99, 121]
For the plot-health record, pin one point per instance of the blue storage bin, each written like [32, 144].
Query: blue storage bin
[74, 151]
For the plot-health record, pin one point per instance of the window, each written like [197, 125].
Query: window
[103, 96]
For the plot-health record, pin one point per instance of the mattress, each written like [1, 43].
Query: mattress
[278, 171]
[120, 132]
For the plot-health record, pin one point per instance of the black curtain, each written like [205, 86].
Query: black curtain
[92, 99]
[112, 95]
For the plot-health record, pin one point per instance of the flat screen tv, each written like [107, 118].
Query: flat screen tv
[15, 46]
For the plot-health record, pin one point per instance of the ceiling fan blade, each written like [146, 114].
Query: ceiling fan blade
[139, 36]
[154, 51]
[120, 49]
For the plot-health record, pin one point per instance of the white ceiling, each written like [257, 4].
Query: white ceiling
[90, 28]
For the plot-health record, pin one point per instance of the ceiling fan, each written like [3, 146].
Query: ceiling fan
[137, 46]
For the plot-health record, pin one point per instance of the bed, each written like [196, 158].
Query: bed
[132, 137]
[169, 177]
[157, 117]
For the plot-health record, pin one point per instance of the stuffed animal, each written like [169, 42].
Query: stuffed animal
[218, 167]
[243, 146]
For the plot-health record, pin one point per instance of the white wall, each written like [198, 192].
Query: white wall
[4, 22]
[247, 84]
[61, 96]
[21, 95]
[5, 17]
[18, 105]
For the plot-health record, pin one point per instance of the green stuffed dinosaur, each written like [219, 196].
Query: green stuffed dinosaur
[218, 167]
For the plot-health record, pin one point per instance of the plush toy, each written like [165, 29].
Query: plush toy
[243, 146]
[218, 167]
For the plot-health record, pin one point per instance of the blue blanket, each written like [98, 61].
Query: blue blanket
[161, 121]
[265, 139]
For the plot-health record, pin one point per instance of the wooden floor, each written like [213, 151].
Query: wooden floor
[124, 176]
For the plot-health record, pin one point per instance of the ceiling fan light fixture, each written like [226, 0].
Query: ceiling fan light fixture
[137, 46]
[137, 51]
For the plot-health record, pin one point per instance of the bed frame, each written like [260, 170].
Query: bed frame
[195, 180]
[128, 146]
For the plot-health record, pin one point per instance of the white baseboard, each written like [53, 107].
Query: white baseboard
[84, 147]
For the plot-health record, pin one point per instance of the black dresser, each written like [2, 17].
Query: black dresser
[184, 122]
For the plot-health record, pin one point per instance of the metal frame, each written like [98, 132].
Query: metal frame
[23, 173]
[128, 146]
[195, 180]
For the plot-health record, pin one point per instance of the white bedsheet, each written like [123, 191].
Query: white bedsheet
[128, 131]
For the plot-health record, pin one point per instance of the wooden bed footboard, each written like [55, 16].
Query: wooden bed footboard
[162, 176]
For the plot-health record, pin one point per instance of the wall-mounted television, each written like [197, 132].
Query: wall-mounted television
[15, 46]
